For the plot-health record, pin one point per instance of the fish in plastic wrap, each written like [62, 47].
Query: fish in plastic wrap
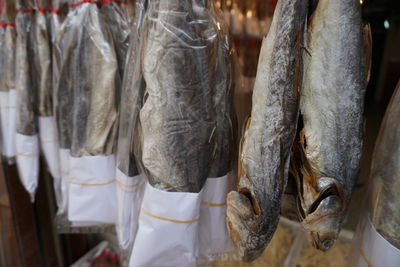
[385, 175]
[177, 117]
[130, 184]
[328, 147]
[116, 16]
[27, 143]
[88, 103]
[253, 210]
[183, 135]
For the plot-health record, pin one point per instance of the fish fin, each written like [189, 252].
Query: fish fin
[367, 36]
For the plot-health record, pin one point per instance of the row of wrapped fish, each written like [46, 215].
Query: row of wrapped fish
[145, 136]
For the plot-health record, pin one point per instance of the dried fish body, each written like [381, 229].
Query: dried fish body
[94, 70]
[42, 58]
[385, 175]
[327, 152]
[177, 116]
[253, 211]
[25, 84]
[117, 18]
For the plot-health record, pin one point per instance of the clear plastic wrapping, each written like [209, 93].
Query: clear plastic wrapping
[385, 175]
[116, 16]
[27, 141]
[86, 108]
[177, 131]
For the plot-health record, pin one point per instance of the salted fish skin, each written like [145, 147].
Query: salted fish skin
[25, 86]
[42, 60]
[385, 175]
[177, 116]
[95, 105]
[332, 105]
[253, 211]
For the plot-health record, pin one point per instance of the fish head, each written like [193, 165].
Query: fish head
[325, 215]
[245, 225]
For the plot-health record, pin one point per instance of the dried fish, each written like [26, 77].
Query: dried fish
[385, 175]
[253, 211]
[116, 16]
[25, 85]
[177, 118]
[42, 58]
[87, 103]
[327, 151]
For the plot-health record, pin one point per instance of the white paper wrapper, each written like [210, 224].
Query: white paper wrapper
[64, 183]
[12, 124]
[130, 192]
[92, 190]
[168, 229]
[4, 111]
[49, 143]
[28, 161]
[376, 250]
[213, 233]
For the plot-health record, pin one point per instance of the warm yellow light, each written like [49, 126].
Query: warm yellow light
[249, 13]
[361, 2]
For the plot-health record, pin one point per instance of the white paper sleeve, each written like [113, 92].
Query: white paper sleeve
[213, 233]
[28, 161]
[92, 190]
[168, 229]
[64, 183]
[129, 194]
[252, 27]
[49, 144]
[376, 250]
[7, 108]
[12, 124]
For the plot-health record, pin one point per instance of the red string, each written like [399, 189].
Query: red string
[11, 25]
[82, 2]
[3, 25]
[121, 3]
[55, 11]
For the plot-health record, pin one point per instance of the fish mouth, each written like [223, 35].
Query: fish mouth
[325, 215]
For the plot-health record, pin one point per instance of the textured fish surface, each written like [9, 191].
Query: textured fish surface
[94, 73]
[327, 151]
[25, 86]
[385, 175]
[42, 59]
[253, 211]
[177, 116]
[117, 18]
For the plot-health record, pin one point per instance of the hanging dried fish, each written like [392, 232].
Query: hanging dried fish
[385, 175]
[177, 117]
[25, 85]
[253, 211]
[117, 18]
[327, 152]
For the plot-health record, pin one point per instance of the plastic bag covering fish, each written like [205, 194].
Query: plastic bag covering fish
[253, 211]
[90, 81]
[93, 65]
[117, 18]
[327, 152]
[178, 122]
[27, 141]
[130, 183]
[7, 81]
[385, 175]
